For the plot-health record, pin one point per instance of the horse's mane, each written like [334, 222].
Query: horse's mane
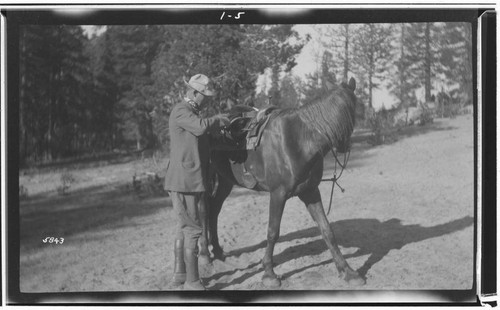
[332, 114]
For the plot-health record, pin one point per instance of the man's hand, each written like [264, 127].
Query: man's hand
[223, 119]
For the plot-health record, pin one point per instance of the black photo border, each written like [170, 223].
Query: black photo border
[107, 15]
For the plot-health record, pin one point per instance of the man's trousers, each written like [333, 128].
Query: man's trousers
[187, 208]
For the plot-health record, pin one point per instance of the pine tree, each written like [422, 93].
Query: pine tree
[232, 55]
[400, 82]
[317, 82]
[134, 51]
[53, 78]
[455, 59]
[101, 124]
[33, 83]
[423, 49]
[327, 70]
[428, 62]
[289, 95]
[82, 94]
[337, 40]
[345, 58]
[371, 55]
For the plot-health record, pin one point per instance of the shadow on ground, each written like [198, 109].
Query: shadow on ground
[370, 236]
[85, 210]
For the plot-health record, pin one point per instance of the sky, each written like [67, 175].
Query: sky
[305, 60]
[306, 64]
[89, 30]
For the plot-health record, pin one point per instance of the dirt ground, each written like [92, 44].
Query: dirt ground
[405, 222]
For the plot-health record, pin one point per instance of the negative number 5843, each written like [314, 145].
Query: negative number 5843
[53, 240]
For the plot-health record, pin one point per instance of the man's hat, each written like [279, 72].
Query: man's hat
[202, 84]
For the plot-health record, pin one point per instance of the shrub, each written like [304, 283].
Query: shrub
[378, 125]
[426, 117]
[23, 192]
[467, 109]
[148, 184]
[66, 180]
[451, 110]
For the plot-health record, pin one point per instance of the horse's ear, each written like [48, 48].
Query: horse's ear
[352, 84]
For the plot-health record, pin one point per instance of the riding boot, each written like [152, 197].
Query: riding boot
[180, 266]
[193, 282]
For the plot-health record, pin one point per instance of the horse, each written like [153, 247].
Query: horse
[288, 162]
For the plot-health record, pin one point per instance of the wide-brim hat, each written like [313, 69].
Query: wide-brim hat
[202, 84]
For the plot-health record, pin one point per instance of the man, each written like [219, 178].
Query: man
[187, 175]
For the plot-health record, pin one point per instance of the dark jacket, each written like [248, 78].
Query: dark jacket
[189, 153]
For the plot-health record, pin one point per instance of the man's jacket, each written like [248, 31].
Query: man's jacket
[189, 155]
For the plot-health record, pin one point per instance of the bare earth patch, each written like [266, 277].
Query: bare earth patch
[406, 222]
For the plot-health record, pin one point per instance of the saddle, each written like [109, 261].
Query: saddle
[244, 133]
[247, 126]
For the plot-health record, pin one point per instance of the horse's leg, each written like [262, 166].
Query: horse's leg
[215, 205]
[315, 207]
[276, 206]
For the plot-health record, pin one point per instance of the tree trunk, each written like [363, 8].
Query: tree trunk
[370, 80]
[48, 148]
[468, 71]
[370, 87]
[346, 52]
[428, 61]
[401, 67]
[275, 94]
[22, 99]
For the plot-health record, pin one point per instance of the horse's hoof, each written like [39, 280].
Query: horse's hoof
[359, 281]
[271, 282]
[204, 260]
[354, 279]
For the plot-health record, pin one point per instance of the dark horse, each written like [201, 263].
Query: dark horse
[287, 163]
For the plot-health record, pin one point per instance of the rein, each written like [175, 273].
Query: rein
[334, 179]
